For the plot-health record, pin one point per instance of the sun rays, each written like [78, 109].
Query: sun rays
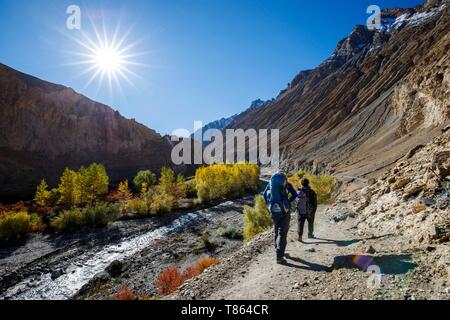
[107, 59]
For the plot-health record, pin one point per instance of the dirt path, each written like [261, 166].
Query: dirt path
[333, 266]
[263, 279]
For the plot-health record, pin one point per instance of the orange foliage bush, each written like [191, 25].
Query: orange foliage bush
[125, 294]
[205, 263]
[169, 280]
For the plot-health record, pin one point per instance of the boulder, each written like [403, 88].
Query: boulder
[370, 250]
[56, 274]
[115, 268]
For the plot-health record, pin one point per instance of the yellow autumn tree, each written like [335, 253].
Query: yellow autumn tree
[69, 188]
[220, 181]
[42, 195]
[124, 191]
[94, 182]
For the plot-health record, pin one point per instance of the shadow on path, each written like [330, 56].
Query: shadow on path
[344, 243]
[388, 264]
[306, 265]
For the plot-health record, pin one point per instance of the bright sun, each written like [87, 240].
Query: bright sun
[107, 59]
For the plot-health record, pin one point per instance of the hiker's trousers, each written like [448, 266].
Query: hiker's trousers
[281, 227]
[301, 219]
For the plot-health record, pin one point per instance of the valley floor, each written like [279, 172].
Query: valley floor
[98, 264]
[332, 266]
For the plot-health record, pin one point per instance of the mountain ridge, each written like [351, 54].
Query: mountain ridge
[46, 127]
[342, 116]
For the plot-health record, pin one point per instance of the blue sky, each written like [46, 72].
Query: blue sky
[204, 59]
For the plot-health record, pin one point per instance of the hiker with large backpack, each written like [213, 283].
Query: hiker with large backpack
[279, 194]
[306, 209]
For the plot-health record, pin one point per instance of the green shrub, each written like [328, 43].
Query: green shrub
[97, 216]
[143, 180]
[221, 181]
[161, 202]
[68, 220]
[256, 219]
[100, 215]
[205, 242]
[137, 206]
[15, 225]
[323, 185]
[230, 232]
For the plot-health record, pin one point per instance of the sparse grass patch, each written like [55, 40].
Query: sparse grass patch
[205, 242]
[230, 232]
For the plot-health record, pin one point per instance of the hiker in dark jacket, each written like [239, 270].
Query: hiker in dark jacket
[279, 194]
[306, 209]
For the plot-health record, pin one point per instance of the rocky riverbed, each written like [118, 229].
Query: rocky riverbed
[96, 264]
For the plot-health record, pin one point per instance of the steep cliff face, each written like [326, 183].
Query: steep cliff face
[46, 127]
[381, 93]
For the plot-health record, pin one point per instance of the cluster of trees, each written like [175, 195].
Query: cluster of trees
[222, 181]
[154, 198]
[81, 198]
[82, 187]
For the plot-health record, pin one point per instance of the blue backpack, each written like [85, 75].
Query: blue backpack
[277, 194]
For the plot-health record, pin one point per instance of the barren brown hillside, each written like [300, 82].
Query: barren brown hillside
[46, 127]
[379, 95]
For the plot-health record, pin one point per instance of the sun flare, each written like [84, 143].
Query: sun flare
[108, 59]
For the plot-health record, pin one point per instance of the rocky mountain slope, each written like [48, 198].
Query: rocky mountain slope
[46, 127]
[390, 240]
[375, 114]
[380, 94]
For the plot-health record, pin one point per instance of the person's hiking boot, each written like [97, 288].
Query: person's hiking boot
[311, 236]
[300, 238]
[281, 261]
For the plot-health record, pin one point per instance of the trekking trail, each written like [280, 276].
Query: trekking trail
[337, 264]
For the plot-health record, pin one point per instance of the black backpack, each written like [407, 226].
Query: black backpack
[304, 207]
